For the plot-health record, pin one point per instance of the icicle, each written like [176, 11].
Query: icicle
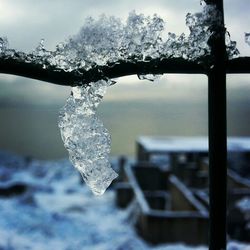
[85, 137]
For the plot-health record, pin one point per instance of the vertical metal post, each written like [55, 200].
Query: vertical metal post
[217, 136]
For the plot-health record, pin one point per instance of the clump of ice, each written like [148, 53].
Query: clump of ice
[199, 25]
[108, 41]
[149, 77]
[247, 38]
[244, 204]
[141, 38]
[85, 137]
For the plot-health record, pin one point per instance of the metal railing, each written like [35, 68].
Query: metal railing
[216, 102]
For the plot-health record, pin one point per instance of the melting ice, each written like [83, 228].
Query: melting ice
[85, 137]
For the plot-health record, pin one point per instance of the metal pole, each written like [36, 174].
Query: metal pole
[217, 136]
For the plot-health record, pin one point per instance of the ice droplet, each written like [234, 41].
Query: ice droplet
[247, 38]
[85, 137]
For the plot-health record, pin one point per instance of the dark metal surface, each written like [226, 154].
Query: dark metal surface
[217, 136]
[123, 68]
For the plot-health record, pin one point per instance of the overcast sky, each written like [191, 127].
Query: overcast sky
[25, 22]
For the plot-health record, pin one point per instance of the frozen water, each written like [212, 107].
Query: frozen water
[140, 38]
[231, 48]
[85, 137]
[244, 204]
[57, 212]
[3, 44]
[196, 45]
[150, 77]
[40, 49]
[247, 38]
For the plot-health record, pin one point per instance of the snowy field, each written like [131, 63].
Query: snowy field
[57, 211]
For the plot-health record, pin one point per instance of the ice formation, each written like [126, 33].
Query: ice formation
[85, 137]
[108, 41]
[141, 38]
[247, 38]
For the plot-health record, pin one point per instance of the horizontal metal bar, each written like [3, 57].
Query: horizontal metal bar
[114, 70]
[239, 65]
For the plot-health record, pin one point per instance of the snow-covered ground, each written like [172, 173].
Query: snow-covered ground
[59, 212]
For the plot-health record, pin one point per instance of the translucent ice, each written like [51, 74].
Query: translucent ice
[140, 38]
[244, 204]
[196, 45]
[86, 138]
[150, 77]
[108, 41]
[3, 44]
[247, 38]
[231, 48]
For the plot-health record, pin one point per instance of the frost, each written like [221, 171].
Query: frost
[85, 137]
[247, 38]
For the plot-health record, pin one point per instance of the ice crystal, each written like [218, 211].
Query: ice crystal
[247, 38]
[142, 36]
[3, 44]
[40, 49]
[86, 138]
[199, 24]
[150, 77]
